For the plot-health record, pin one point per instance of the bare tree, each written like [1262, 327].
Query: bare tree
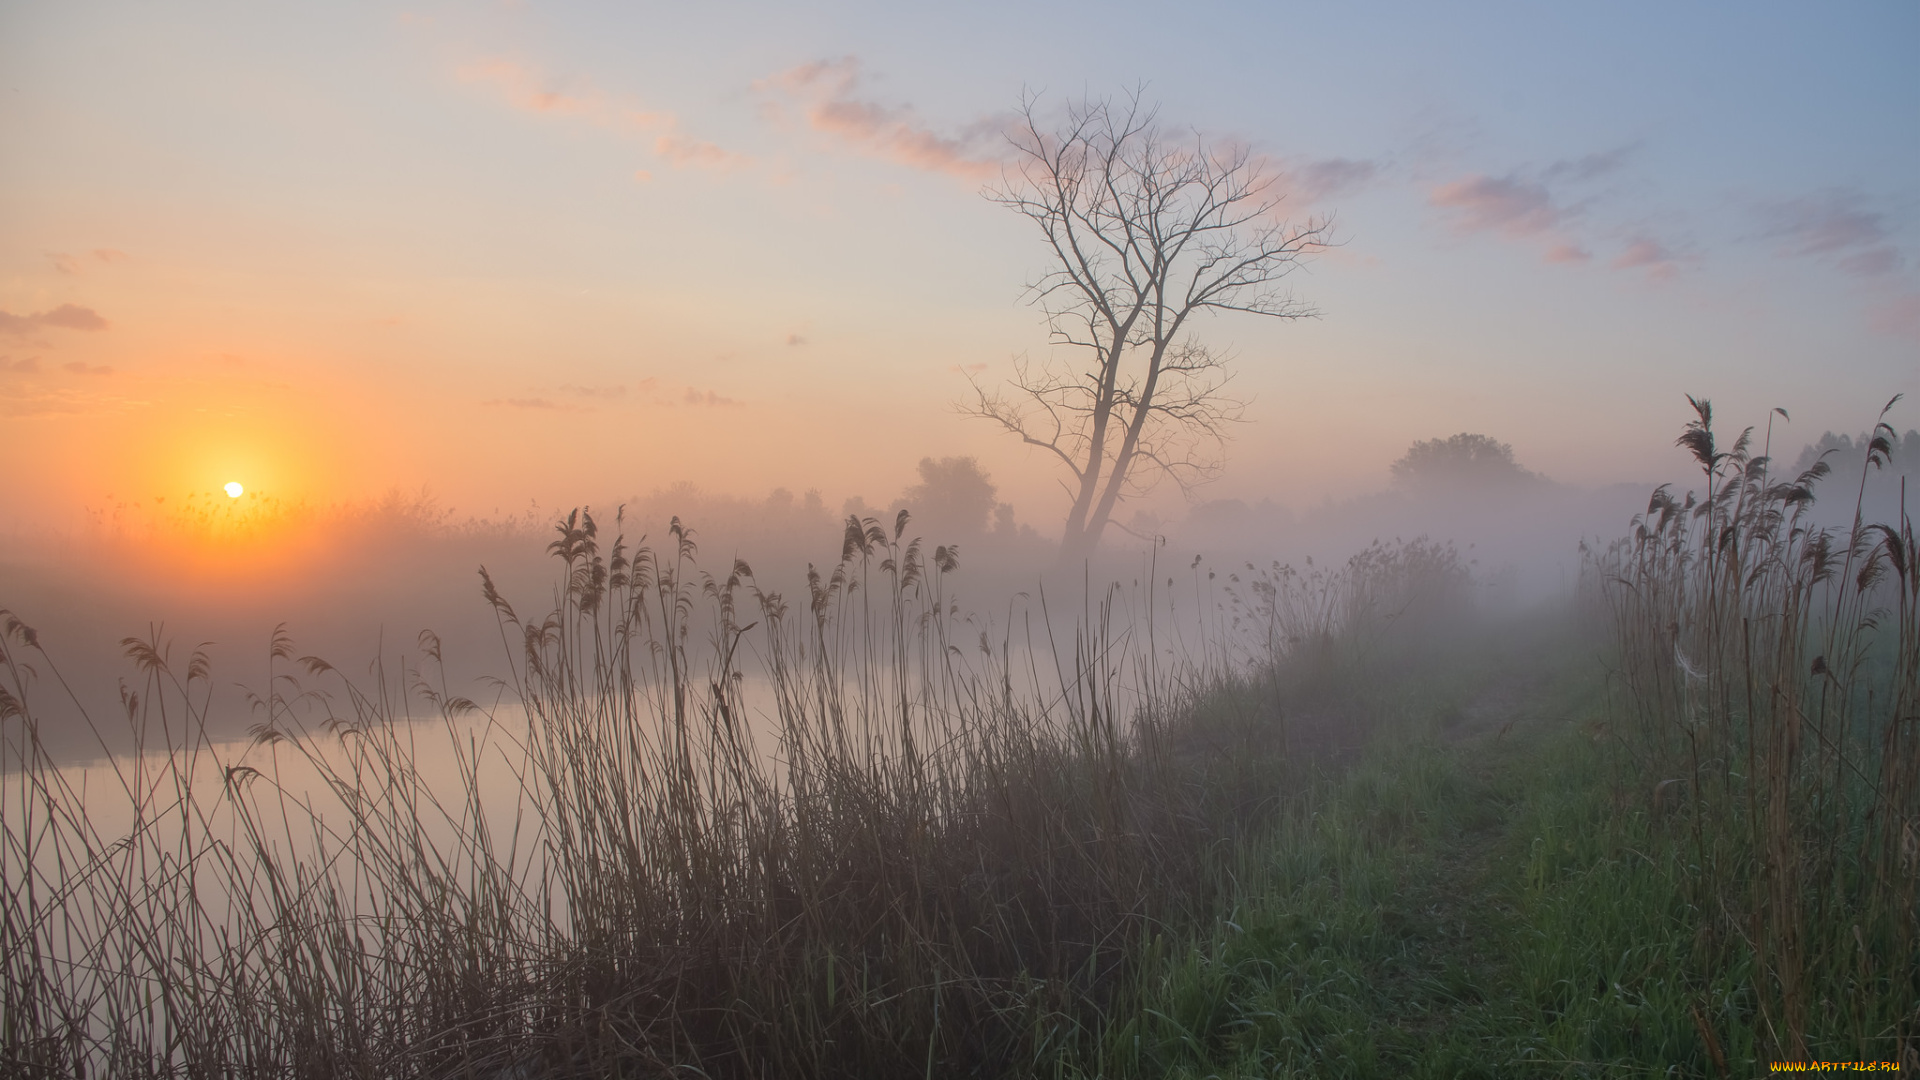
[1147, 229]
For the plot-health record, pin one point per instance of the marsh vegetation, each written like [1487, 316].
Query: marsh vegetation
[1313, 820]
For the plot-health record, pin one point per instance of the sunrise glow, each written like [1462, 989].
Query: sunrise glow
[808, 539]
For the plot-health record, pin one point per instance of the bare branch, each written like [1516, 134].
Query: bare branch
[1145, 229]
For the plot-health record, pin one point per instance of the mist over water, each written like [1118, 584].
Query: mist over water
[356, 585]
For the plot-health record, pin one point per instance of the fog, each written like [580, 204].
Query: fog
[357, 583]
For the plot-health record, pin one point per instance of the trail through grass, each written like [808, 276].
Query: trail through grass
[1489, 890]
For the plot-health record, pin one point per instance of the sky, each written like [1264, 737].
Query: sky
[526, 254]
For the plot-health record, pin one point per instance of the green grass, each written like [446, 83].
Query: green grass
[1508, 904]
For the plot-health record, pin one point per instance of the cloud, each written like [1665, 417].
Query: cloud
[78, 368]
[535, 404]
[25, 366]
[75, 264]
[39, 405]
[796, 340]
[1874, 262]
[66, 317]
[1837, 224]
[681, 152]
[1823, 224]
[40, 397]
[710, 399]
[826, 91]
[532, 91]
[601, 392]
[1648, 254]
[1523, 206]
[1507, 205]
[1589, 167]
[72, 317]
[1318, 181]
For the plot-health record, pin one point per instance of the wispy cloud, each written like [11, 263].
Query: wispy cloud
[1645, 253]
[647, 393]
[1528, 206]
[78, 368]
[683, 152]
[1588, 166]
[65, 317]
[609, 393]
[532, 91]
[533, 404]
[26, 365]
[1838, 225]
[78, 264]
[827, 92]
[1321, 181]
[1507, 205]
[711, 400]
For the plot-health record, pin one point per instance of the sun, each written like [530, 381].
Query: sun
[234, 489]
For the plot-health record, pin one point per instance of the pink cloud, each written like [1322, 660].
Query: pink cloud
[827, 90]
[78, 368]
[1490, 204]
[66, 317]
[1525, 209]
[530, 91]
[1648, 254]
[681, 151]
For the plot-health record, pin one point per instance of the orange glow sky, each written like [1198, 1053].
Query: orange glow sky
[530, 253]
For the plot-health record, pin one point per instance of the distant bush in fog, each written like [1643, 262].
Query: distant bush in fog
[1462, 462]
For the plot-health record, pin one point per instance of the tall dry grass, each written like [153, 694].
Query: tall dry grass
[1769, 684]
[703, 830]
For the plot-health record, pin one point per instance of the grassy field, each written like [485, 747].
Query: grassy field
[1482, 893]
[1668, 827]
[1495, 890]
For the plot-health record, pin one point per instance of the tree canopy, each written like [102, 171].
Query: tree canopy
[1463, 462]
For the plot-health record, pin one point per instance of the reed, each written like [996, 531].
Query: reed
[1768, 688]
[699, 829]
